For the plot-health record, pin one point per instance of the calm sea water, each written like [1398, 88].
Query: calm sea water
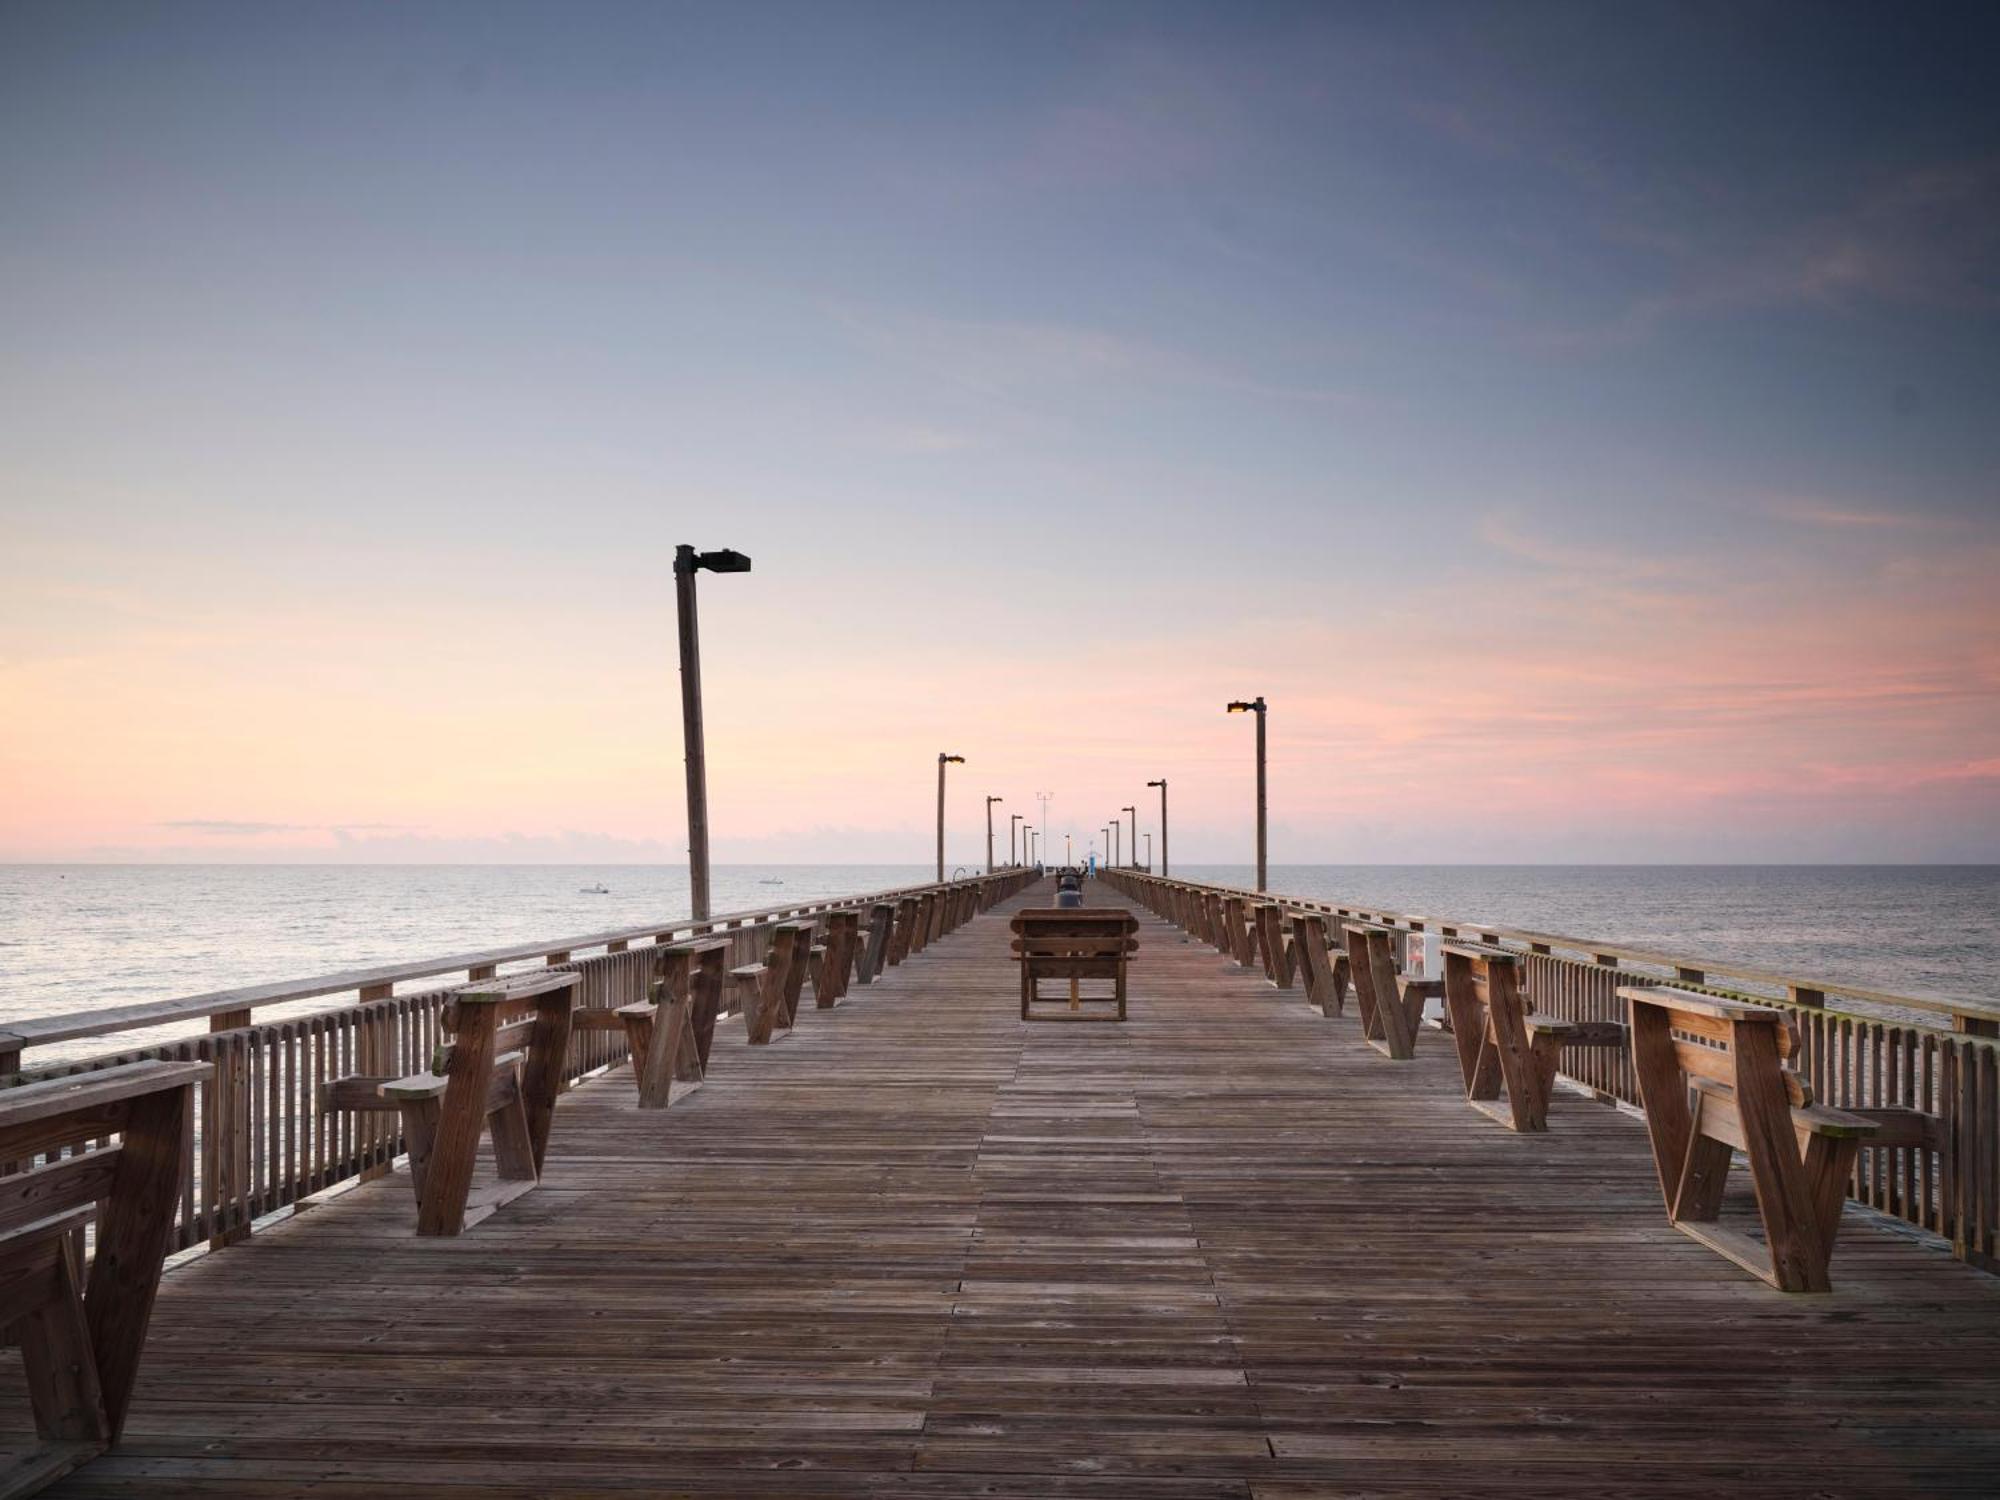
[79, 936]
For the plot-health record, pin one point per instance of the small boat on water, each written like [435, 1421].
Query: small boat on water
[594, 890]
[770, 880]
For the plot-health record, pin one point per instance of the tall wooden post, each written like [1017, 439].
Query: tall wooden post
[1258, 707]
[1132, 844]
[943, 761]
[989, 831]
[688, 562]
[1263, 806]
[1013, 840]
[1162, 785]
[697, 761]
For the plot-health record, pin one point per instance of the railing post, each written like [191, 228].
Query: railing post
[374, 1056]
[225, 1136]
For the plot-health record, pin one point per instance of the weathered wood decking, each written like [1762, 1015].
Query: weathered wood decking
[922, 1249]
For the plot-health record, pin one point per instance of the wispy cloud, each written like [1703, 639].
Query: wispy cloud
[1925, 237]
[1839, 515]
[233, 827]
[1821, 513]
[1016, 359]
[910, 439]
[250, 828]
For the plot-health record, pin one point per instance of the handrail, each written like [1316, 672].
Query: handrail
[265, 1135]
[36, 1031]
[1941, 1173]
[1980, 1014]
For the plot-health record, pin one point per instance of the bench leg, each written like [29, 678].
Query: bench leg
[1799, 1251]
[1391, 1016]
[134, 1229]
[684, 1064]
[420, 1119]
[756, 1019]
[1546, 1057]
[1704, 1173]
[666, 1041]
[639, 1041]
[548, 1059]
[1412, 1006]
[513, 1144]
[55, 1347]
[1506, 1020]
[1828, 1164]
[1486, 1077]
[461, 1119]
[1468, 1018]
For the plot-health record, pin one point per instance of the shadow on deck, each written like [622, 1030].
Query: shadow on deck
[923, 1249]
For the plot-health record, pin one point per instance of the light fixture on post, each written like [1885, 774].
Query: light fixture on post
[1132, 844]
[1258, 707]
[688, 562]
[1014, 840]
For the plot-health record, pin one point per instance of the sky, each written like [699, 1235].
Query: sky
[1581, 423]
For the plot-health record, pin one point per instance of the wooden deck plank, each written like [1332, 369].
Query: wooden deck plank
[922, 1249]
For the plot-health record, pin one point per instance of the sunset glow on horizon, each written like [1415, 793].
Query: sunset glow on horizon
[1584, 469]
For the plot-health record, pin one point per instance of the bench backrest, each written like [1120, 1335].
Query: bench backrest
[1468, 968]
[513, 1004]
[1703, 1033]
[1075, 932]
[57, 1114]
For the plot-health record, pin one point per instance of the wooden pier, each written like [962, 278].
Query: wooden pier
[918, 1248]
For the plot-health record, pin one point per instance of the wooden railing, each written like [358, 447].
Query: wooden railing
[263, 1142]
[1860, 1049]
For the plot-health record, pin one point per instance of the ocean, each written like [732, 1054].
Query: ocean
[74, 937]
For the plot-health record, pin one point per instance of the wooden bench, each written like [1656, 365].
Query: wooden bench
[670, 1055]
[1391, 1004]
[80, 1338]
[1326, 970]
[1238, 939]
[873, 952]
[1271, 944]
[499, 1076]
[903, 942]
[836, 963]
[1074, 943]
[1502, 1043]
[1731, 1057]
[770, 991]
